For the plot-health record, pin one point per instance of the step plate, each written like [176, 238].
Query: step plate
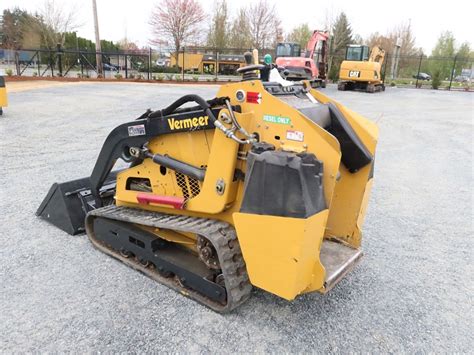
[338, 259]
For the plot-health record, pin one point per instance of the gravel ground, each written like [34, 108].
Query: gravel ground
[412, 292]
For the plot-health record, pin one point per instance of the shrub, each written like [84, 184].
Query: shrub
[157, 69]
[169, 77]
[195, 78]
[334, 72]
[436, 79]
[179, 78]
[118, 76]
[392, 83]
[160, 77]
[208, 80]
[131, 76]
[35, 74]
[9, 72]
[214, 79]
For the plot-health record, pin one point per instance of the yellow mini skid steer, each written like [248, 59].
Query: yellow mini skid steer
[264, 185]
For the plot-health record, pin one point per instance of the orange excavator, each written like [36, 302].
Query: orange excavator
[310, 65]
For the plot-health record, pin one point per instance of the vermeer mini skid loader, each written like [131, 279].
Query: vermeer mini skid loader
[264, 185]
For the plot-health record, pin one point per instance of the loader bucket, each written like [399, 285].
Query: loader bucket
[66, 204]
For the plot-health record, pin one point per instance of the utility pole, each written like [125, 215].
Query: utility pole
[98, 50]
[396, 58]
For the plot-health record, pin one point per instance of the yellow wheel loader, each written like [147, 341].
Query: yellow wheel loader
[264, 185]
[359, 71]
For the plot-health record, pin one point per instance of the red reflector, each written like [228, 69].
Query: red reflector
[254, 97]
[174, 201]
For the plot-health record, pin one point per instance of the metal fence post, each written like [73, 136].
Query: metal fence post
[216, 65]
[118, 63]
[60, 62]
[39, 63]
[452, 71]
[149, 63]
[182, 70]
[82, 66]
[126, 66]
[51, 62]
[17, 63]
[419, 67]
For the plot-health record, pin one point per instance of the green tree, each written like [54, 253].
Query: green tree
[16, 29]
[240, 36]
[72, 41]
[341, 37]
[108, 46]
[300, 34]
[219, 28]
[463, 58]
[440, 63]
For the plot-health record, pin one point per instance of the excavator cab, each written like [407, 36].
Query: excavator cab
[288, 49]
[357, 53]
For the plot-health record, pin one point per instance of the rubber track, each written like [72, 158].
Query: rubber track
[222, 235]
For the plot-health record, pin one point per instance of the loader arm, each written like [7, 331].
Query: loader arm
[138, 132]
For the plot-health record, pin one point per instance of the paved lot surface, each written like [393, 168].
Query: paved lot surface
[412, 292]
[17, 86]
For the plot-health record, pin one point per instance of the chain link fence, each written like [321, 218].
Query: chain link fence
[213, 64]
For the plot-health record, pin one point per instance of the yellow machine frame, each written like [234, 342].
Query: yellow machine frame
[364, 71]
[3, 94]
[281, 253]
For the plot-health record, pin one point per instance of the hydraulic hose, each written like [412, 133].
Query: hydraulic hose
[203, 104]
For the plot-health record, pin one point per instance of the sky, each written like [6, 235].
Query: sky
[120, 18]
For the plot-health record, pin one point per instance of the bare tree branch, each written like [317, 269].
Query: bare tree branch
[264, 24]
[178, 21]
[54, 21]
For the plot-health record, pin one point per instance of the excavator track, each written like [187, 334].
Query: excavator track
[112, 228]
